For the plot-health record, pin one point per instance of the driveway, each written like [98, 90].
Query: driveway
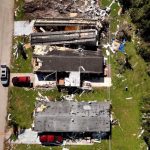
[6, 30]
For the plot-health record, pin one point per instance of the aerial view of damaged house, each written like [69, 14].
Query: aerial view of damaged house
[67, 55]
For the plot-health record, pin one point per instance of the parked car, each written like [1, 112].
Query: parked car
[5, 75]
[22, 81]
[51, 139]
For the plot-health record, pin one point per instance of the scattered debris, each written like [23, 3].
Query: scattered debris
[128, 98]
[69, 97]
[8, 117]
[126, 88]
[42, 98]
[65, 8]
[140, 133]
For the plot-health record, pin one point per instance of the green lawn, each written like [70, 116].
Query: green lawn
[19, 10]
[20, 65]
[97, 94]
[22, 103]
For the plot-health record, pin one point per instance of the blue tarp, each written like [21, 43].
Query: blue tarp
[121, 48]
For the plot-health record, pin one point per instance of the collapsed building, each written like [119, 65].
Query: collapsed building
[66, 42]
[66, 52]
[73, 117]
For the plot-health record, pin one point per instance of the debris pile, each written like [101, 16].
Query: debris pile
[64, 8]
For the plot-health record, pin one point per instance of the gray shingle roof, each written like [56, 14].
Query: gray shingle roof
[66, 116]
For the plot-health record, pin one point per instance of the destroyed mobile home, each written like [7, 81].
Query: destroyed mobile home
[66, 52]
[69, 117]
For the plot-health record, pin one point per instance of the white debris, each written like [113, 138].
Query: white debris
[107, 53]
[124, 80]
[135, 64]
[42, 29]
[140, 133]
[44, 49]
[69, 97]
[129, 98]
[65, 148]
[8, 117]
[119, 76]
[111, 3]
[15, 53]
[42, 98]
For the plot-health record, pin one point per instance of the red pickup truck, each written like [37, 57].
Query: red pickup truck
[51, 139]
[22, 81]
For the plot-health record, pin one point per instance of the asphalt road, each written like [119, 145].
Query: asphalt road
[6, 31]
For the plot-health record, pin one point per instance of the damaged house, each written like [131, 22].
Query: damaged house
[66, 52]
[70, 68]
[72, 117]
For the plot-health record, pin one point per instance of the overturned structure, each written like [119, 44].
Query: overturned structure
[65, 116]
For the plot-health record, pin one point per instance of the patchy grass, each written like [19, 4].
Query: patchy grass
[97, 94]
[21, 106]
[19, 10]
[20, 65]
[39, 147]
[104, 3]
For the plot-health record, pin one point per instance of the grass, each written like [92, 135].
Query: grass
[127, 111]
[97, 94]
[19, 10]
[20, 65]
[39, 147]
[22, 103]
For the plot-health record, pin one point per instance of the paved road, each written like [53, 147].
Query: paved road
[6, 30]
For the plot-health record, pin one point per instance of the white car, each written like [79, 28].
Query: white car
[5, 75]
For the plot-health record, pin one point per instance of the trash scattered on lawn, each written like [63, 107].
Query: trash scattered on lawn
[124, 80]
[41, 97]
[135, 64]
[68, 97]
[8, 117]
[140, 134]
[119, 76]
[128, 98]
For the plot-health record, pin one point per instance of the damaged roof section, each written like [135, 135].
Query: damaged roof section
[87, 37]
[66, 22]
[69, 116]
[85, 61]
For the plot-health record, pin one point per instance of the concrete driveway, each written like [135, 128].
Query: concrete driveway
[6, 31]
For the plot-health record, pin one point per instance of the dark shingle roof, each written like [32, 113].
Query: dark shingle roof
[92, 62]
